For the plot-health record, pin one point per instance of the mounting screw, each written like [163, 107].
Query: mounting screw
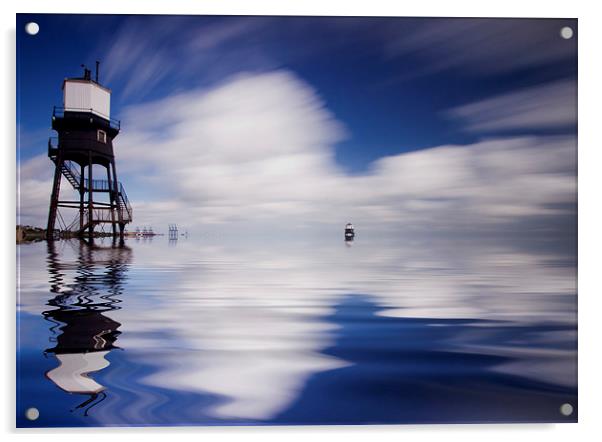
[32, 413]
[32, 28]
[566, 33]
[566, 409]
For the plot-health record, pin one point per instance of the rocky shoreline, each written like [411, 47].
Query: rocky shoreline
[27, 234]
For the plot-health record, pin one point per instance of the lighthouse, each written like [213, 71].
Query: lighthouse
[82, 331]
[83, 154]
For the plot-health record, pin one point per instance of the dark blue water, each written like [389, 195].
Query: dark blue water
[194, 332]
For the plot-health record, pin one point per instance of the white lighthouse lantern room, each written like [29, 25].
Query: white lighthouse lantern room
[81, 95]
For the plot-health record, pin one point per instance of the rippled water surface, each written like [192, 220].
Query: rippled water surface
[293, 332]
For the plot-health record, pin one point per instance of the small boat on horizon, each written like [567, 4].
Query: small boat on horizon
[349, 232]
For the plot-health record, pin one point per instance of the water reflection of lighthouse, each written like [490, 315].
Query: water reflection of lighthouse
[82, 331]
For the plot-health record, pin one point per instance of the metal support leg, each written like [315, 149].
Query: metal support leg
[118, 200]
[90, 198]
[111, 200]
[81, 197]
[54, 198]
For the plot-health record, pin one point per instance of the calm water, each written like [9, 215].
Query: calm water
[293, 332]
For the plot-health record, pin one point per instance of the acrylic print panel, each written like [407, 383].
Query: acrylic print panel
[295, 220]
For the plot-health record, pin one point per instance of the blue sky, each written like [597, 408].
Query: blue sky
[369, 90]
[390, 97]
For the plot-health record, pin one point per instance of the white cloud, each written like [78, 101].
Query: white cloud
[552, 105]
[34, 181]
[259, 150]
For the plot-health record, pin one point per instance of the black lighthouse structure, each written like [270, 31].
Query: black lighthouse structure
[84, 146]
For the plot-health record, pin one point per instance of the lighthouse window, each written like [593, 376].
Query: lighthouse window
[101, 136]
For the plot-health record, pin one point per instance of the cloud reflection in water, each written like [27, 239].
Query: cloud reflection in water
[250, 327]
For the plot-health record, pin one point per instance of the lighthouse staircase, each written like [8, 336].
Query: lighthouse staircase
[102, 213]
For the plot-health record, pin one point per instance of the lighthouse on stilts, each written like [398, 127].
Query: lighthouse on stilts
[84, 146]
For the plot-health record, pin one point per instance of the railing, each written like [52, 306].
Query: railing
[59, 112]
[97, 185]
[99, 215]
[102, 214]
[71, 171]
[74, 224]
[126, 203]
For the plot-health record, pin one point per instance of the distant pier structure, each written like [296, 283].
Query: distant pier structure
[85, 140]
[173, 232]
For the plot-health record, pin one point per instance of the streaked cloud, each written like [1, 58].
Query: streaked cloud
[481, 46]
[258, 150]
[547, 106]
[179, 50]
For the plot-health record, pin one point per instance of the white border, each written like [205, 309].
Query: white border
[590, 190]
